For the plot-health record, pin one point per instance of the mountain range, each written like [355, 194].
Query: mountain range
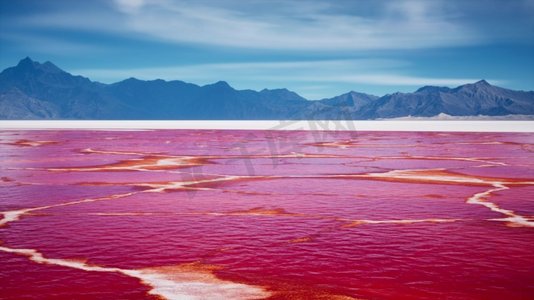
[33, 90]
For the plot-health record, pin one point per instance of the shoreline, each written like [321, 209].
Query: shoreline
[308, 125]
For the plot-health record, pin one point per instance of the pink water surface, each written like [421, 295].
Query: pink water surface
[290, 214]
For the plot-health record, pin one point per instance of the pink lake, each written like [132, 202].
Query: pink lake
[226, 214]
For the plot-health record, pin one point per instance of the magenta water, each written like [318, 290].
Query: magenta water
[222, 214]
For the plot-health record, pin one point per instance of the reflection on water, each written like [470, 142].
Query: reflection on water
[204, 214]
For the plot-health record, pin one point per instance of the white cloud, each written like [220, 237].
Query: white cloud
[405, 25]
[285, 25]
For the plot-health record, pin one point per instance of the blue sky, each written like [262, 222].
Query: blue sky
[317, 48]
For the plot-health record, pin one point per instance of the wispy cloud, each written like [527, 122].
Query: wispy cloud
[315, 70]
[403, 80]
[285, 25]
[403, 25]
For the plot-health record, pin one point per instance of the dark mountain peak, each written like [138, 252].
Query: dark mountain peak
[131, 80]
[482, 83]
[432, 89]
[351, 99]
[50, 67]
[219, 85]
[358, 95]
[281, 94]
[43, 81]
[27, 65]
[426, 88]
[481, 86]
[275, 91]
[282, 90]
[26, 61]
